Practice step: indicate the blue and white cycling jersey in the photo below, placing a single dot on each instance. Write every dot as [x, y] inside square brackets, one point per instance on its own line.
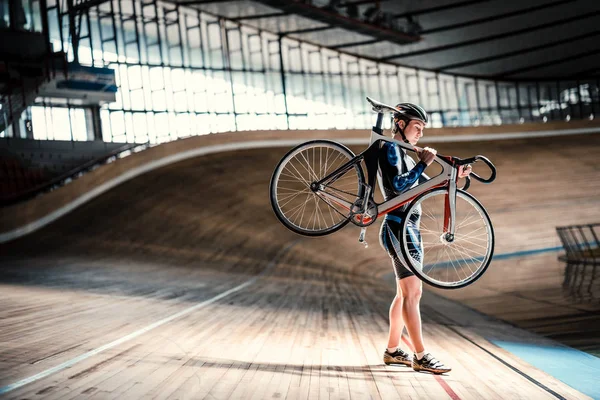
[399, 173]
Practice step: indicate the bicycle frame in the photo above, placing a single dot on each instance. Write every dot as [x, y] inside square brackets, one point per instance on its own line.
[447, 178]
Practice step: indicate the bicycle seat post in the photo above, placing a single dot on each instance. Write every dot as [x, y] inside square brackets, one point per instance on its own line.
[377, 128]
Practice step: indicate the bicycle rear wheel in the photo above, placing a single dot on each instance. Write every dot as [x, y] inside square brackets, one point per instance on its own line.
[443, 262]
[309, 212]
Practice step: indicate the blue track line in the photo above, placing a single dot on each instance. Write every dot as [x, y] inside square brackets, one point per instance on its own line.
[502, 256]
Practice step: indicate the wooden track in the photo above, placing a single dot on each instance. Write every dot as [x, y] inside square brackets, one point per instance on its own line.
[313, 325]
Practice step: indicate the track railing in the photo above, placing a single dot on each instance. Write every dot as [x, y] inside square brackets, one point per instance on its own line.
[580, 243]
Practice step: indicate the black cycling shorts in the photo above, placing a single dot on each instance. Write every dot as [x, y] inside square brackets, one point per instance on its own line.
[389, 239]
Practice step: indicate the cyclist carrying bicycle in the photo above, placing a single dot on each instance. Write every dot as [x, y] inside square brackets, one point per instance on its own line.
[399, 173]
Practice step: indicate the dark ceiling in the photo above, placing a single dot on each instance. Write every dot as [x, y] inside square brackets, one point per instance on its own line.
[502, 39]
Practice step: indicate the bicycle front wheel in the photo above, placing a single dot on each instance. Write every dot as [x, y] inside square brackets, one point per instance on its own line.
[320, 212]
[437, 259]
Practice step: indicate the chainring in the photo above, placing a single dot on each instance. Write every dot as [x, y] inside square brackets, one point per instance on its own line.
[357, 217]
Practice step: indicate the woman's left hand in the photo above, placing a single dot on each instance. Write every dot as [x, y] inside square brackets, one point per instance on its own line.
[464, 171]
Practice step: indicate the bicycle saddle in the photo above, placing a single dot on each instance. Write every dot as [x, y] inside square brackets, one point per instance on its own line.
[380, 107]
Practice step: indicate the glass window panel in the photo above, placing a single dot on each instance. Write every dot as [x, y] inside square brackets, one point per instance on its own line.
[117, 125]
[314, 58]
[471, 96]
[140, 127]
[161, 125]
[182, 125]
[129, 127]
[105, 123]
[78, 124]
[492, 97]
[38, 121]
[180, 103]
[482, 93]
[433, 95]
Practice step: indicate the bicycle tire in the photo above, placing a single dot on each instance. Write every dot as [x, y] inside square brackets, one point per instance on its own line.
[335, 152]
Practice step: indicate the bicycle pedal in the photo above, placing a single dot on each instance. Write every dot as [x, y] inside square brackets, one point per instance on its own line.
[361, 237]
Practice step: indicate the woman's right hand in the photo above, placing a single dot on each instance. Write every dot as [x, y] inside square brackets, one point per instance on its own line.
[427, 155]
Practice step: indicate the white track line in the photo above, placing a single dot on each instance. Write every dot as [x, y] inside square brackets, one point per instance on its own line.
[53, 216]
[148, 328]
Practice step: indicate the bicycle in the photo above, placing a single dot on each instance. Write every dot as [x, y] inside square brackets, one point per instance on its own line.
[319, 186]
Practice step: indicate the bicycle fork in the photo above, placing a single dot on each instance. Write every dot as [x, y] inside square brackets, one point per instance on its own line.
[450, 211]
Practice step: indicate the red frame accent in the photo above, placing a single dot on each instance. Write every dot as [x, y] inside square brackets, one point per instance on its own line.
[447, 213]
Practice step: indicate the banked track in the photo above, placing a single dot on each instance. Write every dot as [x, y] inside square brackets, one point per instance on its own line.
[312, 325]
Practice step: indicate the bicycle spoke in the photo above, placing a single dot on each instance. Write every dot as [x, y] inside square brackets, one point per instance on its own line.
[341, 191]
[289, 200]
[451, 262]
[429, 231]
[465, 251]
[430, 214]
[293, 212]
[313, 215]
[297, 179]
[300, 207]
[331, 206]
[304, 209]
[301, 169]
[473, 231]
[326, 161]
[286, 191]
[460, 253]
[463, 224]
[300, 177]
[331, 214]
[434, 264]
[468, 216]
[472, 243]
[311, 172]
[322, 214]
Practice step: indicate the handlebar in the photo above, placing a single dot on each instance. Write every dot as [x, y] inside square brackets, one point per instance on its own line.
[459, 161]
[467, 184]
[464, 161]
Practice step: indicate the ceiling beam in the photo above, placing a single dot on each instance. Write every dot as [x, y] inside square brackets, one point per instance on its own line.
[548, 63]
[518, 52]
[196, 2]
[360, 2]
[86, 5]
[495, 17]
[259, 16]
[341, 21]
[491, 37]
[438, 8]
[361, 43]
[307, 30]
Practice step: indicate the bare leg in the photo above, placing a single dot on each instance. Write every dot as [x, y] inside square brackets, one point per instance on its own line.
[396, 322]
[411, 292]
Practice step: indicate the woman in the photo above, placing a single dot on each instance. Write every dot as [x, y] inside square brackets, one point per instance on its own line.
[398, 174]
